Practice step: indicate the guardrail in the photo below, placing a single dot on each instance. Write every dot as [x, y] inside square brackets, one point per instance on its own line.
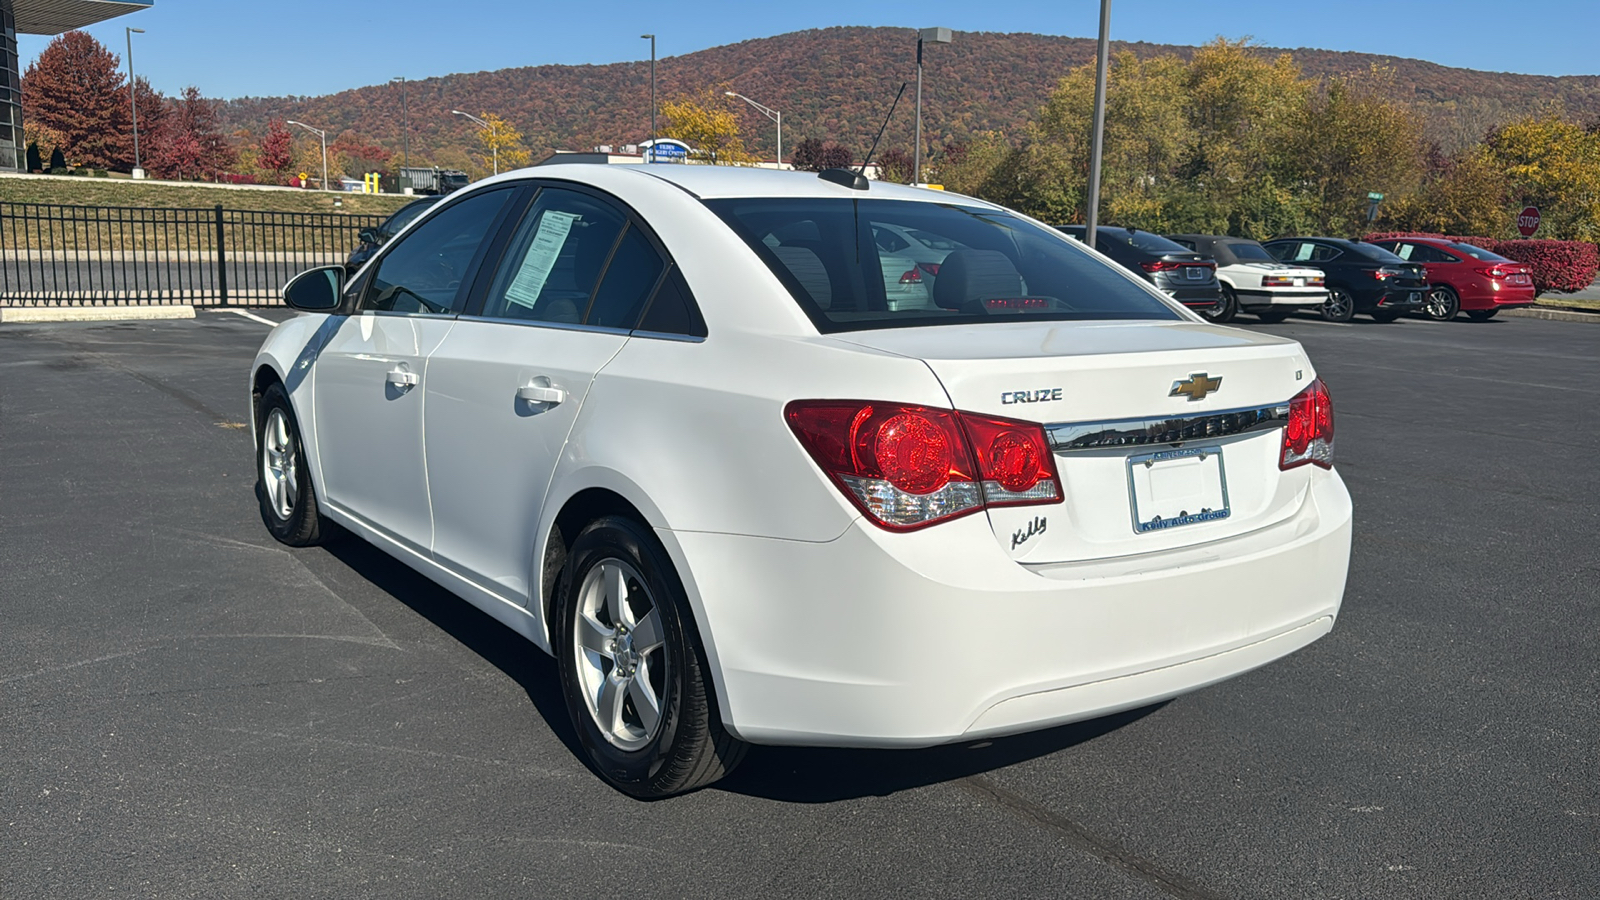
[92, 256]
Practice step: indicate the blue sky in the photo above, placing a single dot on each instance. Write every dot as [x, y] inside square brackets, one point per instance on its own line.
[231, 49]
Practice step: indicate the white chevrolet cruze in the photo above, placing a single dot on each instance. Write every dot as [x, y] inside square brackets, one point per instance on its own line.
[663, 421]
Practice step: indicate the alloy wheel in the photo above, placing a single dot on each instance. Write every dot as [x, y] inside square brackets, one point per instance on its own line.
[1339, 307]
[1441, 304]
[280, 472]
[621, 659]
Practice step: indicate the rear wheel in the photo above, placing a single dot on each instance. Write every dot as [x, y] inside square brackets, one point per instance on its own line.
[1384, 315]
[1227, 307]
[1442, 303]
[1272, 315]
[283, 480]
[632, 669]
[1481, 315]
[1339, 307]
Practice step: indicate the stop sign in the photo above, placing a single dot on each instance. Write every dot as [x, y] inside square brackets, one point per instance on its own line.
[1528, 221]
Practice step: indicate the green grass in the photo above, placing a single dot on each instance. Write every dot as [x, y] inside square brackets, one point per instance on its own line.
[1557, 301]
[118, 192]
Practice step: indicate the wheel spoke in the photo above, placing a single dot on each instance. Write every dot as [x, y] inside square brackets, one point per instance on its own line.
[645, 702]
[616, 595]
[609, 704]
[647, 633]
[291, 481]
[594, 637]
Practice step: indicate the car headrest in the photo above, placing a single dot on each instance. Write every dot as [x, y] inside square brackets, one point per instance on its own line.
[807, 268]
[971, 276]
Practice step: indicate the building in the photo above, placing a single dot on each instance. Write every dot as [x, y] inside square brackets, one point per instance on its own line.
[39, 17]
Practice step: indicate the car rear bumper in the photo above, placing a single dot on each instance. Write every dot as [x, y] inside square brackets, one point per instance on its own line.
[1508, 297]
[905, 640]
[1402, 298]
[1287, 297]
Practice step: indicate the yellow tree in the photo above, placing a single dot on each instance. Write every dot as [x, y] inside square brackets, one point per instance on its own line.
[707, 123]
[1553, 162]
[500, 145]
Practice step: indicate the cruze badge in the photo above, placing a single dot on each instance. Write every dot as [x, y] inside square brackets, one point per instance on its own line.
[1196, 386]
[1039, 396]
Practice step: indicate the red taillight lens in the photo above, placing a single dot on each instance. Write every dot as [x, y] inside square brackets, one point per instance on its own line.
[911, 276]
[1308, 435]
[1494, 272]
[930, 268]
[908, 467]
[1160, 265]
[1277, 281]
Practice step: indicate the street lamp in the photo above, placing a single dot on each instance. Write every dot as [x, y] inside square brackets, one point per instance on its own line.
[931, 36]
[1091, 220]
[324, 135]
[770, 113]
[133, 94]
[494, 143]
[405, 119]
[652, 39]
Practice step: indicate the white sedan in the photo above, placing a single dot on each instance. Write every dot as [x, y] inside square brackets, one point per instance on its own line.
[1253, 281]
[662, 421]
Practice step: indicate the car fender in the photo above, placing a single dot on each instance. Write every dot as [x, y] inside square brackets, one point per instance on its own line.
[290, 350]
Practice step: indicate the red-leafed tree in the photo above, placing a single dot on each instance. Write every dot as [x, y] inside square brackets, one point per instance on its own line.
[361, 157]
[152, 121]
[76, 89]
[277, 151]
[813, 155]
[895, 164]
[192, 144]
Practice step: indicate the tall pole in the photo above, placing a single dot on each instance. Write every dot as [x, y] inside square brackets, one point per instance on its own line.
[405, 120]
[916, 154]
[770, 113]
[652, 39]
[1091, 220]
[133, 94]
[494, 135]
[324, 135]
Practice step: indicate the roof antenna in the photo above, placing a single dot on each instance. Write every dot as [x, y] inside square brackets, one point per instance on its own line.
[858, 179]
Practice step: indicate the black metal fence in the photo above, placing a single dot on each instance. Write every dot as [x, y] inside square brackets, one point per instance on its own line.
[93, 256]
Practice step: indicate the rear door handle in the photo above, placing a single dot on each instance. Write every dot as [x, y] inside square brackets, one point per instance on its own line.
[401, 378]
[538, 393]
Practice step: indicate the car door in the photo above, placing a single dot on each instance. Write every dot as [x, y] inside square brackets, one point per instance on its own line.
[367, 395]
[506, 385]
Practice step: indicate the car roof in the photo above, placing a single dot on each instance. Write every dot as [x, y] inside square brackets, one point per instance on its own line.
[717, 182]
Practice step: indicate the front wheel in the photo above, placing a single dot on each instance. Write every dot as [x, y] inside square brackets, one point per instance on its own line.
[1339, 307]
[283, 480]
[632, 669]
[1481, 315]
[1227, 307]
[1442, 303]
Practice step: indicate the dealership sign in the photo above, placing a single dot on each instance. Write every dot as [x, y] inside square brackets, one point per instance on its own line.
[1528, 221]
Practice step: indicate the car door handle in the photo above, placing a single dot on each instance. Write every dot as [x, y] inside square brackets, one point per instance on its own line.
[400, 378]
[538, 393]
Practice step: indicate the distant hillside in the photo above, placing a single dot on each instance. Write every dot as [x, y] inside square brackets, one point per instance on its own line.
[837, 83]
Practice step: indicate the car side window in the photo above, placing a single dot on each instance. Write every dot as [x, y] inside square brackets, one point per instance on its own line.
[555, 259]
[888, 241]
[425, 272]
[1320, 252]
[672, 310]
[628, 281]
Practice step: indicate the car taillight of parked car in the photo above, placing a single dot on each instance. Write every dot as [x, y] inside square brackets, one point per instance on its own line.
[1308, 435]
[1384, 273]
[914, 274]
[908, 467]
[1494, 272]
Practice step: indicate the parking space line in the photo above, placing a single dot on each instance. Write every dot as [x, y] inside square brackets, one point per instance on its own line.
[252, 316]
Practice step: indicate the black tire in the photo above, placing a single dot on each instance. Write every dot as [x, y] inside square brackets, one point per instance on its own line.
[1272, 315]
[687, 747]
[282, 475]
[1442, 304]
[1227, 307]
[1481, 315]
[1384, 316]
[1339, 307]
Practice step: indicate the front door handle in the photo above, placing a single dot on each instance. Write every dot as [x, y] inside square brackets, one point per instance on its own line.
[539, 393]
[403, 379]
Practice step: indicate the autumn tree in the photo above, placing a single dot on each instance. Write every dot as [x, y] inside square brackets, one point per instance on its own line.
[192, 144]
[963, 166]
[1551, 161]
[500, 142]
[709, 125]
[76, 90]
[275, 155]
[896, 165]
[361, 157]
[814, 155]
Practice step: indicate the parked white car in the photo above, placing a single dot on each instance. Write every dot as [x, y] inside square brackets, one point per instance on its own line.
[1254, 282]
[661, 421]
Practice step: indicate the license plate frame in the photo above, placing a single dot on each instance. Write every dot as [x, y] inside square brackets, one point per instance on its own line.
[1174, 472]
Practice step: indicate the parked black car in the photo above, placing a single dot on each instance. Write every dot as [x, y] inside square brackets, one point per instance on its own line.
[1180, 273]
[1361, 277]
[372, 239]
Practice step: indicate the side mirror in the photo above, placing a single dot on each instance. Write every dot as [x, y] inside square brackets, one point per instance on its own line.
[368, 236]
[315, 290]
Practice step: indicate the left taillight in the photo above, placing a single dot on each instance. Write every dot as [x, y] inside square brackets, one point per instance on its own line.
[1308, 435]
[908, 467]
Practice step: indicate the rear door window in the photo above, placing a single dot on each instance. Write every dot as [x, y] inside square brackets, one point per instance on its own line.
[553, 263]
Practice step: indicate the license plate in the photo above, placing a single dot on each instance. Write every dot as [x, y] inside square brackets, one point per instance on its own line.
[1195, 273]
[1519, 279]
[1172, 488]
[1414, 297]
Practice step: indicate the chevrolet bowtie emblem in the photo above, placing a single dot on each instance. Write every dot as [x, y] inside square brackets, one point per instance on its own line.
[1196, 387]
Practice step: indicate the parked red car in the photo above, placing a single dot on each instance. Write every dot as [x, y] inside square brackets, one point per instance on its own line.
[1464, 277]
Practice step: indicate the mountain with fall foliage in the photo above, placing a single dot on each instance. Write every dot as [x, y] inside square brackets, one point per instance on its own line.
[837, 83]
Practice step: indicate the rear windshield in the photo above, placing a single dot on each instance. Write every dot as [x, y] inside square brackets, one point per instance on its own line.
[1249, 250]
[1477, 252]
[1377, 254]
[967, 265]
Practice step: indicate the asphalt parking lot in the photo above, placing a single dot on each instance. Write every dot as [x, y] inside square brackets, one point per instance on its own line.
[188, 709]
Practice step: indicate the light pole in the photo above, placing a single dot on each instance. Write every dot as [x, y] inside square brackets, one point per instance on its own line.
[405, 119]
[494, 142]
[652, 39]
[932, 36]
[133, 94]
[324, 135]
[770, 113]
[1091, 220]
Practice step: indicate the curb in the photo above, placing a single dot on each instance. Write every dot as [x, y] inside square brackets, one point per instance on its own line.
[1552, 315]
[93, 313]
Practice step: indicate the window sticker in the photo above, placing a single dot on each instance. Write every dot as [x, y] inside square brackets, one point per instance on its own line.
[554, 226]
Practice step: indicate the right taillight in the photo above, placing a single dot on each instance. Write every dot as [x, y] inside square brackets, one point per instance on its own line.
[909, 467]
[1308, 435]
